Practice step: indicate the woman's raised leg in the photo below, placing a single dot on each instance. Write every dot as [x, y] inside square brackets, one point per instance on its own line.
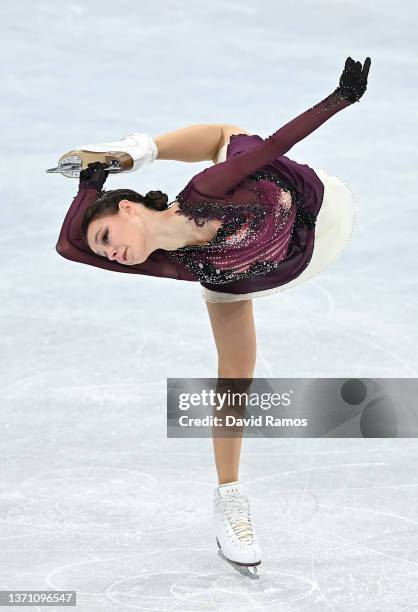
[196, 143]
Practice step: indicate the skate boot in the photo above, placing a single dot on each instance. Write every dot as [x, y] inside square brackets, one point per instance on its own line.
[235, 533]
[126, 155]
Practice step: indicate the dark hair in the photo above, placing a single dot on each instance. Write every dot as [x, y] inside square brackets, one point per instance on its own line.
[107, 203]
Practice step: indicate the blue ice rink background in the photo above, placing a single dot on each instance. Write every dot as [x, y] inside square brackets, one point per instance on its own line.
[93, 497]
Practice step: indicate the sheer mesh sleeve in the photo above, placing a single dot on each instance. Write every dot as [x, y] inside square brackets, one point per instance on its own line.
[222, 178]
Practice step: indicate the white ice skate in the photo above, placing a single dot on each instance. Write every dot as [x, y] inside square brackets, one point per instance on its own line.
[235, 533]
[126, 155]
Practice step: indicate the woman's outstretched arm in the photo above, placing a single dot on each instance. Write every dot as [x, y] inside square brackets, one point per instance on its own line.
[219, 180]
[195, 143]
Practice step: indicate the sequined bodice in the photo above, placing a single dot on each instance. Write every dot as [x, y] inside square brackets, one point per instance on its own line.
[254, 236]
[207, 230]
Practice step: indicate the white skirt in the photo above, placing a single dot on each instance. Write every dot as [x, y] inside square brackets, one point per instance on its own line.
[333, 230]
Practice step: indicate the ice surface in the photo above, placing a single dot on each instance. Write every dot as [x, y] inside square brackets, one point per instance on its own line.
[93, 497]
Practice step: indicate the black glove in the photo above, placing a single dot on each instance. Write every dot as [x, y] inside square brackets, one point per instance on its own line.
[94, 175]
[353, 81]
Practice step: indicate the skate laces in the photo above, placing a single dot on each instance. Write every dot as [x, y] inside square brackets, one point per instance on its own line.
[236, 509]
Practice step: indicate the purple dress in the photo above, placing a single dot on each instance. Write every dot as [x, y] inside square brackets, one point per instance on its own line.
[267, 203]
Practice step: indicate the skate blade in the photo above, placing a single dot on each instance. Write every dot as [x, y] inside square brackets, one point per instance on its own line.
[72, 163]
[250, 571]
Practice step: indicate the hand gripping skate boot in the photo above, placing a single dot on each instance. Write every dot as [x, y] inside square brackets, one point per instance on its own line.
[235, 533]
[126, 155]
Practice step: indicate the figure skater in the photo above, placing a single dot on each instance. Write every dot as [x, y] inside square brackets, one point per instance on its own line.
[253, 224]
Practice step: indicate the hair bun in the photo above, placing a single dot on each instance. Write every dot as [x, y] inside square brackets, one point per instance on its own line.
[157, 199]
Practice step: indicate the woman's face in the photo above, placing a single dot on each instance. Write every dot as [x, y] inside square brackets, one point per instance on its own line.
[119, 237]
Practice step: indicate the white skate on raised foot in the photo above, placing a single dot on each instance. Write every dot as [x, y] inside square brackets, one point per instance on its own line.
[126, 155]
[235, 533]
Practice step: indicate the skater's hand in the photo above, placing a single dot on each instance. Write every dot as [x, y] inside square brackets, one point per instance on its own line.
[94, 175]
[353, 81]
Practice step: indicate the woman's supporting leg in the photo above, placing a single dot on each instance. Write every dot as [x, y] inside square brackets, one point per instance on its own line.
[235, 338]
